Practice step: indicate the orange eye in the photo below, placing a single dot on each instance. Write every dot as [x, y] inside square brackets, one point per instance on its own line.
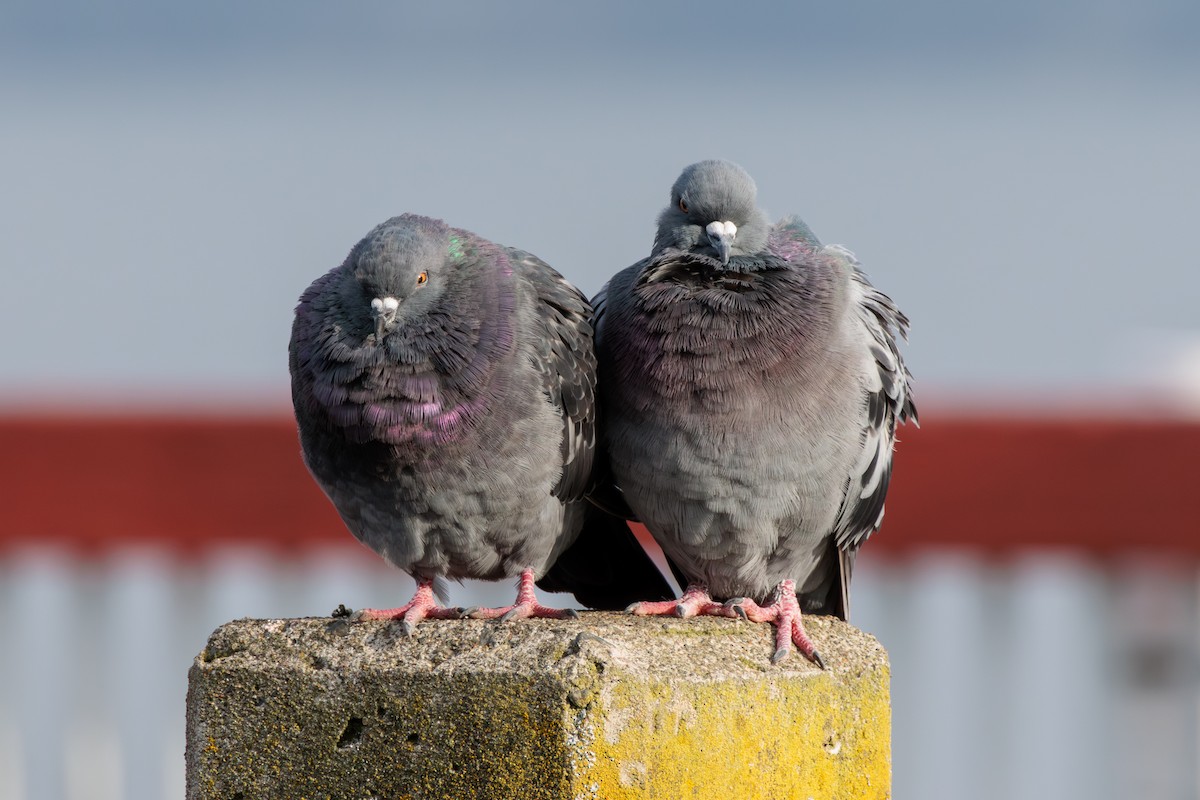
[424, 276]
[682, 205]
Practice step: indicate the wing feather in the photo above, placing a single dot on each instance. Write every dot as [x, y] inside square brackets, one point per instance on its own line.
[565, 357]
[889, 400]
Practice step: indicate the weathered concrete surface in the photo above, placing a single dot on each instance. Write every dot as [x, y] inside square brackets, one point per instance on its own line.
[606, 707]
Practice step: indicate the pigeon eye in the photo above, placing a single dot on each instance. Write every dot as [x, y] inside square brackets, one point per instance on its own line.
[422, 278]
[682, 205]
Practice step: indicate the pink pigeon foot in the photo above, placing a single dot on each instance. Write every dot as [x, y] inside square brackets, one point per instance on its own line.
[784, 614]
[694, 603]
[526, 606]
[422, 606]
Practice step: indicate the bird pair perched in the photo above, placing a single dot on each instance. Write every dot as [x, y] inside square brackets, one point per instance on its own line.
[471, 415]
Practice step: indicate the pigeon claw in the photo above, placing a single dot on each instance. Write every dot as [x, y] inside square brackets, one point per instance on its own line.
[653, 608]
[734, 608]
[785, 615]
[533, 610]
[422, 606]
[526, 606]
[695, 602]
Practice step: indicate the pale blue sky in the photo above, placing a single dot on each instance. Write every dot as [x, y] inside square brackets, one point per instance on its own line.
[1023, 178]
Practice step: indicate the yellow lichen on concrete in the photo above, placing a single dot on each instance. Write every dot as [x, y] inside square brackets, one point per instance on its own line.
[822, 737]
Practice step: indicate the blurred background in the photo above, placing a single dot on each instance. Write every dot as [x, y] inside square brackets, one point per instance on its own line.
[1022, 178]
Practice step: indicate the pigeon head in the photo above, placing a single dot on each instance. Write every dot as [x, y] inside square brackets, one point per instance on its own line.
[398, 271]
[713, 211]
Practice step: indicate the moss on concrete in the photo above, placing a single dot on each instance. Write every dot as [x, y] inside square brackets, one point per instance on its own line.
[607, 707]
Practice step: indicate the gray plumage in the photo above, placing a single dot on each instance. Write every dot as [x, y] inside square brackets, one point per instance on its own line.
[444, 390]
[751, 385]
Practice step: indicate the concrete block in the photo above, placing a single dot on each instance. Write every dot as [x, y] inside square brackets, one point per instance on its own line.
[603, 708]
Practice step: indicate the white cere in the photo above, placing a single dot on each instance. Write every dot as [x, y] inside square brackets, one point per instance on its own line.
[719, 229]
[382, 304]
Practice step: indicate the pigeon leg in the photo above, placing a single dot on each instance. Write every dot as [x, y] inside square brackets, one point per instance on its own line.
[422, 606]
[695, 602]
[784, 614]
[526, 606]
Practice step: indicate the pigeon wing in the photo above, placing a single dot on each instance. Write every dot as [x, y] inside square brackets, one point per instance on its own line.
[566, 360]
[888, 400]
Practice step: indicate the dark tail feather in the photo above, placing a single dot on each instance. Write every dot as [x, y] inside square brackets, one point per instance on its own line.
[845, 568]
[606, 568]
[832, 595]
[605, 493]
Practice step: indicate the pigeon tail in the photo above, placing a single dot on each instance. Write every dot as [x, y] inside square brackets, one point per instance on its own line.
[605, 568]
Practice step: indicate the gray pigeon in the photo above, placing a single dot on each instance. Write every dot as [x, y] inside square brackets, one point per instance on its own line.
[444, 390]
[750, 384]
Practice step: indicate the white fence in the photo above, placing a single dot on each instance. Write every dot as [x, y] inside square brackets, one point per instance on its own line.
[1042, 677]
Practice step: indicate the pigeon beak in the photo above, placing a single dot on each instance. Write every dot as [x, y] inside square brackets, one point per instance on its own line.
[383, 309]
[721, 236]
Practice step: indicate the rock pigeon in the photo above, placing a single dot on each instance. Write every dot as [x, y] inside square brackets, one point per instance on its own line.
[444, 391]
[750, 385]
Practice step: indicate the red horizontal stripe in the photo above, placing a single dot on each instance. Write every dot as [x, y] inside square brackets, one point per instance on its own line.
[994, 485]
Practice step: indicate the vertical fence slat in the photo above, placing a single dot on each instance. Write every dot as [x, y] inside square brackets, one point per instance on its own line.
[1057, 681]
[1157, 675]
[41, 658]
[940, 659]
[143, 696]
